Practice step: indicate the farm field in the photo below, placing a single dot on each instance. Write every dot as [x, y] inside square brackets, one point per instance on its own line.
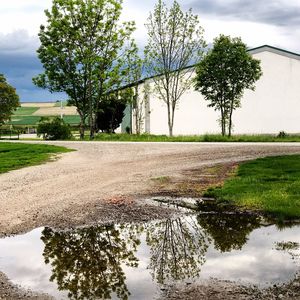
[31, 113]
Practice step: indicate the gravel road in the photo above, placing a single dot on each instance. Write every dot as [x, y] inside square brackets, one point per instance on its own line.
[106, 182]
[80, 186]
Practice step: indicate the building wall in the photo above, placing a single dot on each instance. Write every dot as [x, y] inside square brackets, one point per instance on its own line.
[274, 105]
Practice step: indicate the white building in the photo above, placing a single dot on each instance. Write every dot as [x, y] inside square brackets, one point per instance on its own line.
[273, 107]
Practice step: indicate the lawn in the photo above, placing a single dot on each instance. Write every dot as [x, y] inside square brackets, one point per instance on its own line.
[270, 184]
[25, 111]
[15, 156]
[195, 138]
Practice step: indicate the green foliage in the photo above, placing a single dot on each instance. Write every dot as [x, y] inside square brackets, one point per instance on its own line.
[54, 129]
[15, 156]
[269, 184]
[111, 111]
[9, 100]
[175, 41]
[83, 52]
[223, 75]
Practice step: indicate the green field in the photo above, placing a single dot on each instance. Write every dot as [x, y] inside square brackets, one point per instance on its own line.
[16, 155]
[29, 116]
[25, 111]
[270, 184]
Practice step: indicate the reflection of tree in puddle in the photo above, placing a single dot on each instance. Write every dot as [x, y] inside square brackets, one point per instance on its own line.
[88, 262]
[178, 249]
[229, 231]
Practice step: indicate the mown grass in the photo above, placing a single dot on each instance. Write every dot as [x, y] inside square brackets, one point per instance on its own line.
[195, 138]
[270, 184]
[33, 120]
[25, 111]
[15, 156]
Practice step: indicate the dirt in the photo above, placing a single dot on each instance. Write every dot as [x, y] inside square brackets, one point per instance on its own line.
[107, 182]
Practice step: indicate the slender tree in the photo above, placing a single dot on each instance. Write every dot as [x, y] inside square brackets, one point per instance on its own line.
[9, 100]
[82, 51]
[175, 41]
[224, 74]
[136, 65]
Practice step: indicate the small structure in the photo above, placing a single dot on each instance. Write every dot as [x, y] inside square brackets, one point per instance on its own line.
[273, 107]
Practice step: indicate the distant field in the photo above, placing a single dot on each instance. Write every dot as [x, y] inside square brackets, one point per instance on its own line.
[31, 113]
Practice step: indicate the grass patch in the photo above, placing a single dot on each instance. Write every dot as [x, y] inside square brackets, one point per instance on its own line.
[195, 138]
[270, 184]
[33, 120]
[15, 156]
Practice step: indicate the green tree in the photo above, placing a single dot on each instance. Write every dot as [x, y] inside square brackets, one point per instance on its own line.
[224, 74]
[54, 129]
[111, 111]
[175, 41]
[83, 49]
[136, 66]
[9, 100]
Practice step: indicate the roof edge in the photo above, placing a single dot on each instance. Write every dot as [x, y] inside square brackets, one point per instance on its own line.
[275, 50]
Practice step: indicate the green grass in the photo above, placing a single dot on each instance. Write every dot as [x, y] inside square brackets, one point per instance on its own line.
[16, 155]
[33, 120]
[199, 138]
[25, 111]
[270, 184]
[24, 120]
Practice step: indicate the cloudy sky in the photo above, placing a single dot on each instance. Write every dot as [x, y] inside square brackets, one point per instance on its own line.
[273, 22]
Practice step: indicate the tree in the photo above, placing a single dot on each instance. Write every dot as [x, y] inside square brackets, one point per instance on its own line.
[54, 129]
[82, 51]
[175, 41]
[223, 75]
[9, 100]
[111, 111]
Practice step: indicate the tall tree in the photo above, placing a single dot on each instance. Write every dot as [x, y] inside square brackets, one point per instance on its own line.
[175, 41]
[224, 74]
[136, 65]
[9, 100]
[82, 51]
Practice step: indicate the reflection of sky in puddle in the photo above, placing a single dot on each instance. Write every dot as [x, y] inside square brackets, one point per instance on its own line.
[194, 248]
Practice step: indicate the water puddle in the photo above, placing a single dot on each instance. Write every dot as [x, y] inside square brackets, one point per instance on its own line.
[137, 261]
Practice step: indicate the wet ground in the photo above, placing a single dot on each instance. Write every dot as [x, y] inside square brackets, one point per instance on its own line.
[145, 261]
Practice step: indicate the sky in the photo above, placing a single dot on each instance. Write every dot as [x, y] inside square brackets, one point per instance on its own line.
[272, 22]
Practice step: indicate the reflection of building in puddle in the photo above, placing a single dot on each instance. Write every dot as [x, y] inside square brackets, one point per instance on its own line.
[135, 260]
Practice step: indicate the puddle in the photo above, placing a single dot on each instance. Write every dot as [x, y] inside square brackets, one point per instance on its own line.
[136, 261]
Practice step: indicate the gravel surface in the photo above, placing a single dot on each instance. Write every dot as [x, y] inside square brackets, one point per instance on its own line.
[106, 182]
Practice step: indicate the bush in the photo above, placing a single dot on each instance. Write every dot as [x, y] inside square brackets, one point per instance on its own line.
[54, 129]
[282, 135]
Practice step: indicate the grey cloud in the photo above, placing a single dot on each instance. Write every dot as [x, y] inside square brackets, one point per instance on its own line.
[275, 12]
[18, 41]
[19, 70]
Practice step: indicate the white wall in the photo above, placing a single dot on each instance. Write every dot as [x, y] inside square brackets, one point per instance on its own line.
[273, 107]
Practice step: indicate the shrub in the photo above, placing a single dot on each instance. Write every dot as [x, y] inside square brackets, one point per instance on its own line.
[282, 134]
[54, 129]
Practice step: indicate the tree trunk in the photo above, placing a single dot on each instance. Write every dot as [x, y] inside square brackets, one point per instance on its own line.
[82, 127]
[170, 124]
[91, 119]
